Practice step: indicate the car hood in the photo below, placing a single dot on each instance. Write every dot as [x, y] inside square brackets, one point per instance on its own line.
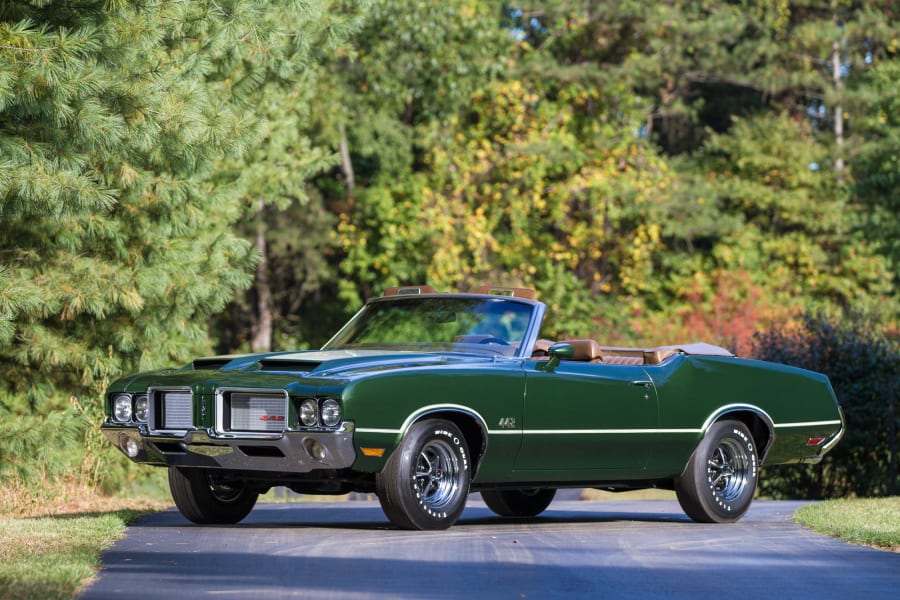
[314, 368]
[331, 363]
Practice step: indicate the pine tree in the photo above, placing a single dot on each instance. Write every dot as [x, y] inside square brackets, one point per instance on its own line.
[116, 118]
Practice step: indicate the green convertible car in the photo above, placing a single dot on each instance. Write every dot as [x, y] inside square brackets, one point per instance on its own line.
[424, 396]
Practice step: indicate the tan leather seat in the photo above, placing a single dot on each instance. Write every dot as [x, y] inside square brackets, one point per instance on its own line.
[655, 356]
[585, 350]
[623, 360]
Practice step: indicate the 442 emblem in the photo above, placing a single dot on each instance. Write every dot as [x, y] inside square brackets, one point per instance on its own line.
[507, 423]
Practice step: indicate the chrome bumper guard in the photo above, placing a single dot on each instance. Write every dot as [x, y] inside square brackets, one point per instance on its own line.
[288, 452]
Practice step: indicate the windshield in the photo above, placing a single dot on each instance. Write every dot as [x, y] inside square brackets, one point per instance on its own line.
[494, 325]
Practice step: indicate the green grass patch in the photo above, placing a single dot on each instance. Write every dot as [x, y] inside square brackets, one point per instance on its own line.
[55, 556]
[867, 521]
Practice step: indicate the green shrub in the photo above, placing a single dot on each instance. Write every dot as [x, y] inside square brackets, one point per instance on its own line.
[864, 368]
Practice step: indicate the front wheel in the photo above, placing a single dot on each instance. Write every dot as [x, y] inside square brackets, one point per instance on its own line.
[208, 500]
[425, 482]
[518, 503]
[720, 479]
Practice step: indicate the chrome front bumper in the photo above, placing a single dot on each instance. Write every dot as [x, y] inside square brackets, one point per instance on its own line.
[288, 452]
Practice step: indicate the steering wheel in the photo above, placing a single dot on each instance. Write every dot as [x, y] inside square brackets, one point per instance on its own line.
[494, 340]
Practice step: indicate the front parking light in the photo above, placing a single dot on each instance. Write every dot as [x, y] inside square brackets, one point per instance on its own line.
[129, 446]
[315, 450]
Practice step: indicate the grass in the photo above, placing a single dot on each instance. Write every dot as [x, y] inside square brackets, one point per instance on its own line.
[868, 521]
[50, 545]
[55, 556]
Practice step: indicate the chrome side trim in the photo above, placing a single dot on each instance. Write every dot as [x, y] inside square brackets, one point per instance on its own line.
[379, 430]
[827, 446]
[428, 410]
[553, 431]
[433, 408]
[730, 408]
[597, 431]
[812, 423]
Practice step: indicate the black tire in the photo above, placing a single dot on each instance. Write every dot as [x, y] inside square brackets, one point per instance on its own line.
[720, 479]
[425, 482]
[518, 503]
[206, 501]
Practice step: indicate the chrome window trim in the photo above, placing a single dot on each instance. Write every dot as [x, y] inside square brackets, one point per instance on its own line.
[528, 339]
[531, 334]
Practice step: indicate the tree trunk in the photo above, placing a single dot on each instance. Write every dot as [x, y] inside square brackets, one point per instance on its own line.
[838, 110]
[892, 437]
[346, 164]
[264, 314]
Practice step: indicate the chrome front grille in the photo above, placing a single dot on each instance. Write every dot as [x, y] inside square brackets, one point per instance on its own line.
[256, 412]
[177, 410]
[171, 410]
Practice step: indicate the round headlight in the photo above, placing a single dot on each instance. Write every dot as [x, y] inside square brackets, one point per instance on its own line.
[122, 408]
[309, 412]
[331, 412]
[141, 408]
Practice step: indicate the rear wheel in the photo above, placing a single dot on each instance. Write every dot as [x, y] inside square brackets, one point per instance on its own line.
[719, 482]
[518, 503]
[425, 482]
[208, 500]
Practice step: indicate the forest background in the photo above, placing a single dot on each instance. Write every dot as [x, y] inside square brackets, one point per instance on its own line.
[187, 178]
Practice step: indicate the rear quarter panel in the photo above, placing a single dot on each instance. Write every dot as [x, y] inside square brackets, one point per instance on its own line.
[694, 391]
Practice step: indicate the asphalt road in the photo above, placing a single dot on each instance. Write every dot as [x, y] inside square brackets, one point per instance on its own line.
[644, 549]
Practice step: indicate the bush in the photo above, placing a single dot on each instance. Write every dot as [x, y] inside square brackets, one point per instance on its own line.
[62, 453]
[864, 368]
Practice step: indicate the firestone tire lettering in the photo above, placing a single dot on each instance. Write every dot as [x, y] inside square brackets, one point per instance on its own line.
[425, 482]
[719, 482]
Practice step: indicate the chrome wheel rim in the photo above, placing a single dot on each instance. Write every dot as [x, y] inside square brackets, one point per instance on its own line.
[728, 470]
[437, 474]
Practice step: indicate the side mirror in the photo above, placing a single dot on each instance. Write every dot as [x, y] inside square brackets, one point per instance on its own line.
[557, 353]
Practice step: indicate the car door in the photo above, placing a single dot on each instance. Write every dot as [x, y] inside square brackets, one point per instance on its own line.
[586, 417]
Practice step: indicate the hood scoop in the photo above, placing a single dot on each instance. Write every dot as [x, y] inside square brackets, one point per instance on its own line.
[292, 366]
[212, 364]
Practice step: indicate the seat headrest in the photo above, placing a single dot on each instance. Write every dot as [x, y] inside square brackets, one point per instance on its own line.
[584, 349]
